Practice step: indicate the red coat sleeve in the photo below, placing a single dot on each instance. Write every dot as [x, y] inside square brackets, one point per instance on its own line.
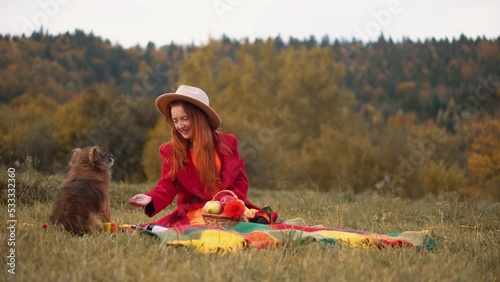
[165, 191]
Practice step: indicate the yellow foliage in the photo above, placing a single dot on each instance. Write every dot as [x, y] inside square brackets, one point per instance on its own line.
[484, 154]
[480, 165]
[26, 128]
[401, 120]
[438, 177]
[406, 86]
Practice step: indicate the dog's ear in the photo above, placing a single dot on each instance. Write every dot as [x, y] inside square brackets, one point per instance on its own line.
[93, 156]
[75, 157]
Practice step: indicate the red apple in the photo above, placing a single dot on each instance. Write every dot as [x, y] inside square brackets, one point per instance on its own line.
[225, 199]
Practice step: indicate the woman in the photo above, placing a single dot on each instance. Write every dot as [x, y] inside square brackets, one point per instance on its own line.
[197, 163]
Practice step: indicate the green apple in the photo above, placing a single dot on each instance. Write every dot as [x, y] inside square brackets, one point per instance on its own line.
[212, 207]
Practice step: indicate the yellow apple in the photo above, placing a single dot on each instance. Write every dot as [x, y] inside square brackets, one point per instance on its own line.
[212, 207]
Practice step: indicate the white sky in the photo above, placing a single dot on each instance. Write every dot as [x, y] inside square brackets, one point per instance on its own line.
[130, 22]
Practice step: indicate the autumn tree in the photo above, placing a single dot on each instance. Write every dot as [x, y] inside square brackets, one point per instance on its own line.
[26, 128]
[99, 116]
[484, 155]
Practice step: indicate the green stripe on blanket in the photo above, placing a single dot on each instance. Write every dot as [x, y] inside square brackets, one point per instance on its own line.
[247, 234]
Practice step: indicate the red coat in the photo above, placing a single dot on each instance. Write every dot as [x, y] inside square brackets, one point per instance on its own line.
[188, 187]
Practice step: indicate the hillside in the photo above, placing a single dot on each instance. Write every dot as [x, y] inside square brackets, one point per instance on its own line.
[399, 117]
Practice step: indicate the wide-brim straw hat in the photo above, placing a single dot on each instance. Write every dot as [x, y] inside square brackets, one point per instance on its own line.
[193, 95]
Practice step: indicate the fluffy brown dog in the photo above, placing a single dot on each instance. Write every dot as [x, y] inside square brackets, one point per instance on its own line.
[83, 203]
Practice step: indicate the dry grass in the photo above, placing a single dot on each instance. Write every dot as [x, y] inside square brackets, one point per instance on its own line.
[468, 234]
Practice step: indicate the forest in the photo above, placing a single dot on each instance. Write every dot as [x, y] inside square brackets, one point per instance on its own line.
[409, 118]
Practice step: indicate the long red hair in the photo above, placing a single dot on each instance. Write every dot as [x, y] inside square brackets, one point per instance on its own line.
[204, 145]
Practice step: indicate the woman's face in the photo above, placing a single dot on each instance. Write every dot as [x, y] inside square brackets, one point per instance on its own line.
[181, 121]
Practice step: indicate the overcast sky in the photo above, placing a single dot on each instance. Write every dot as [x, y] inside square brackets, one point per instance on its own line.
[131, 22]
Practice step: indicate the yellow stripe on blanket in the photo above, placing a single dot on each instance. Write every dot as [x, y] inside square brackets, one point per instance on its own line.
[350, 240]
[213, 241]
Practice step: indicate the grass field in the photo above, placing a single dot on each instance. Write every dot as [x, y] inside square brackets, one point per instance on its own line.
[468, 232]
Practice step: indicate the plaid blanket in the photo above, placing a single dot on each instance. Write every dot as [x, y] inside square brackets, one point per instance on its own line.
[247, 234]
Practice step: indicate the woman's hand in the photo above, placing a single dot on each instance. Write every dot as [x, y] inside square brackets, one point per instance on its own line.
[140, 200]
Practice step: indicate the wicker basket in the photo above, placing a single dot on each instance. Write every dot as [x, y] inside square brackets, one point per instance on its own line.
[217, 220]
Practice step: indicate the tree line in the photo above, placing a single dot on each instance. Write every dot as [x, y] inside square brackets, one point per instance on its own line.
[406, 117]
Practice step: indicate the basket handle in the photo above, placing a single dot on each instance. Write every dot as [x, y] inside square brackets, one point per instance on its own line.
[225, 191]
